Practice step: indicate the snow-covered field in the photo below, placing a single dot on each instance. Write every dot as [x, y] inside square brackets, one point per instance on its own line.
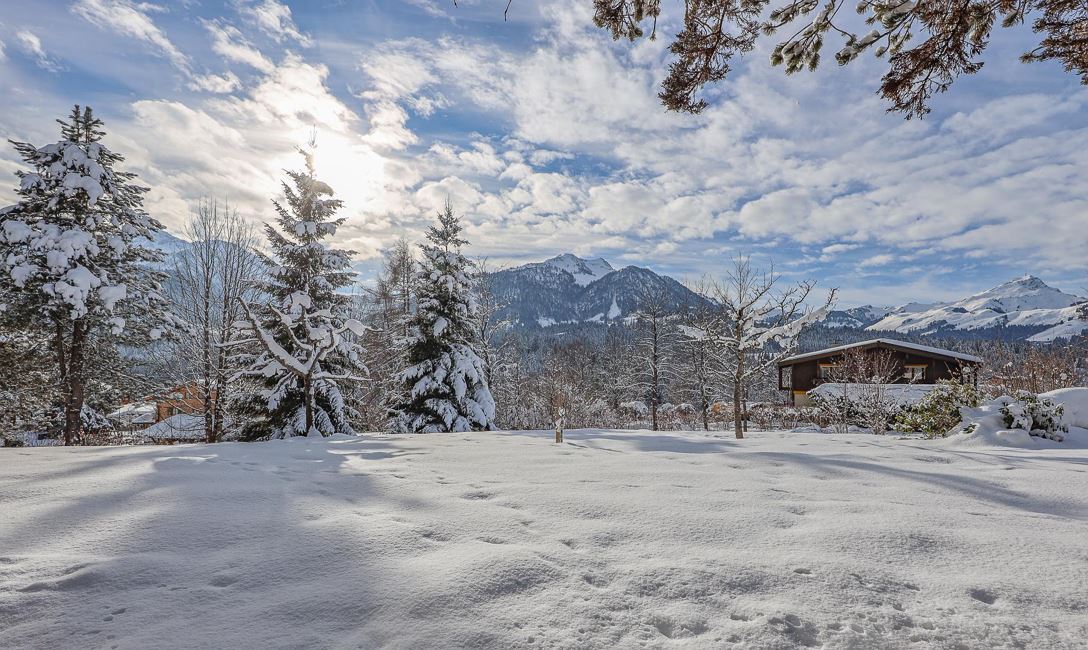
[504, 540]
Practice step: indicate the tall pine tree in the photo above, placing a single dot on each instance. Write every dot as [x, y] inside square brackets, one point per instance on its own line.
[299, 343]
[73, 256]
[445, 382]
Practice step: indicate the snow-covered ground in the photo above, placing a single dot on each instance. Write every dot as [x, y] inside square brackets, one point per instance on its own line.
[507, 540]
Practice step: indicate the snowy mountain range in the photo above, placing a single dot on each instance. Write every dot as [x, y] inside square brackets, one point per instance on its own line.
[567, 289]
[570, 290]
[1026, 307]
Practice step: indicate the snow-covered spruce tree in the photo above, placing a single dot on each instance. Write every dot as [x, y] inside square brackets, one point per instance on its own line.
[298, 343]
[446, 380]
[72, 267]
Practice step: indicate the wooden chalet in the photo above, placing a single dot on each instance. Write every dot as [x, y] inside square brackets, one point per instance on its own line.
[916, 364]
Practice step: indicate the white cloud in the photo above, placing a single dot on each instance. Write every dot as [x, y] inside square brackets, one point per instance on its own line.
[229, 43]
[237, 147]
[883, 259]
[274, 18]
[32, 45]
[576, 147]
[430, 7]
[213, 83]
[774, 159]
[133, 20]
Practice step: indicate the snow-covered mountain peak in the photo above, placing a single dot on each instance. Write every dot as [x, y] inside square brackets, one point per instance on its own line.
[584, 271]
[569, 290]
[1027, 292]
[1025, 302]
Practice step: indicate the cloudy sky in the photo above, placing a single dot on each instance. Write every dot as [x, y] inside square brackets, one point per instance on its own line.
[549, 138]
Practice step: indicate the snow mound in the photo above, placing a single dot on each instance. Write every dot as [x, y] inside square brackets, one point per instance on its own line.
[985, 426]
[182, 426]
[1075, 401]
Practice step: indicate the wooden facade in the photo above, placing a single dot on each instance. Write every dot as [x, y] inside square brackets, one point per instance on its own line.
[917, 364]
[187, 399]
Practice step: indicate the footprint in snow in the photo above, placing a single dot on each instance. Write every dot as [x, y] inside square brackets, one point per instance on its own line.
[983, 596]
[223, 581]
[803, 571]
[435, 535]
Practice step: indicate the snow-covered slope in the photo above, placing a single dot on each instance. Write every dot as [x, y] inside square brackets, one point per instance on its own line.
[854, 317]
[617, 539]
[583, 271]
[1044, 312]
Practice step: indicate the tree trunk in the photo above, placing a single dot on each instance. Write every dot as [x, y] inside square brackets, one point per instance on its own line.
[206, 298]
[308, 392]
[655, 396]
[75, 386]
[738, 414]
[219, 389]
[208, 402]
[58, 348]
[744, 408]
[705, 408]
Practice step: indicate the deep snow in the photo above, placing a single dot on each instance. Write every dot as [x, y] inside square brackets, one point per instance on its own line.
[614, 539]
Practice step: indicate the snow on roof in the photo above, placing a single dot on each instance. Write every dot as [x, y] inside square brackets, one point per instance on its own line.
[901, 394]
[135, 412]
[181, 426]
[889, 342]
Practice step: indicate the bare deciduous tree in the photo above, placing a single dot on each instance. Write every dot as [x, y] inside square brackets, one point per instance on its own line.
[757, 324]
[653, 345]
[210, 277]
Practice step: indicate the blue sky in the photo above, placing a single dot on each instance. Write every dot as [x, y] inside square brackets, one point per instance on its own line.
[549, 137]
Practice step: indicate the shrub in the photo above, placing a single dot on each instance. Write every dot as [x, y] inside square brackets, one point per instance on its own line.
[837, 411]
[1039, 416]
[939, 411]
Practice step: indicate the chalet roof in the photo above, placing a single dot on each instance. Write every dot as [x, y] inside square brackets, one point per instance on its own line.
[134, 413]
[893, 344]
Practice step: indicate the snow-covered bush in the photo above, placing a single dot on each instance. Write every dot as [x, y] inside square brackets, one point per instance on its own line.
[769, 417]
[634, 410]
[939, 410]
[1039, 416]
[837, 411]
[1074, 403]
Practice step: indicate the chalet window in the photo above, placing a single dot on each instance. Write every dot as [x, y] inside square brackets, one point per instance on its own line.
[826, 371]
[914, 372]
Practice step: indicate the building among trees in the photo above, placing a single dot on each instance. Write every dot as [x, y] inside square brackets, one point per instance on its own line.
[901, 363]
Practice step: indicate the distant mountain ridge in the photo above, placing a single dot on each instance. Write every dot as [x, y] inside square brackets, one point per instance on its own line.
[1028, 305]
[568, 289]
